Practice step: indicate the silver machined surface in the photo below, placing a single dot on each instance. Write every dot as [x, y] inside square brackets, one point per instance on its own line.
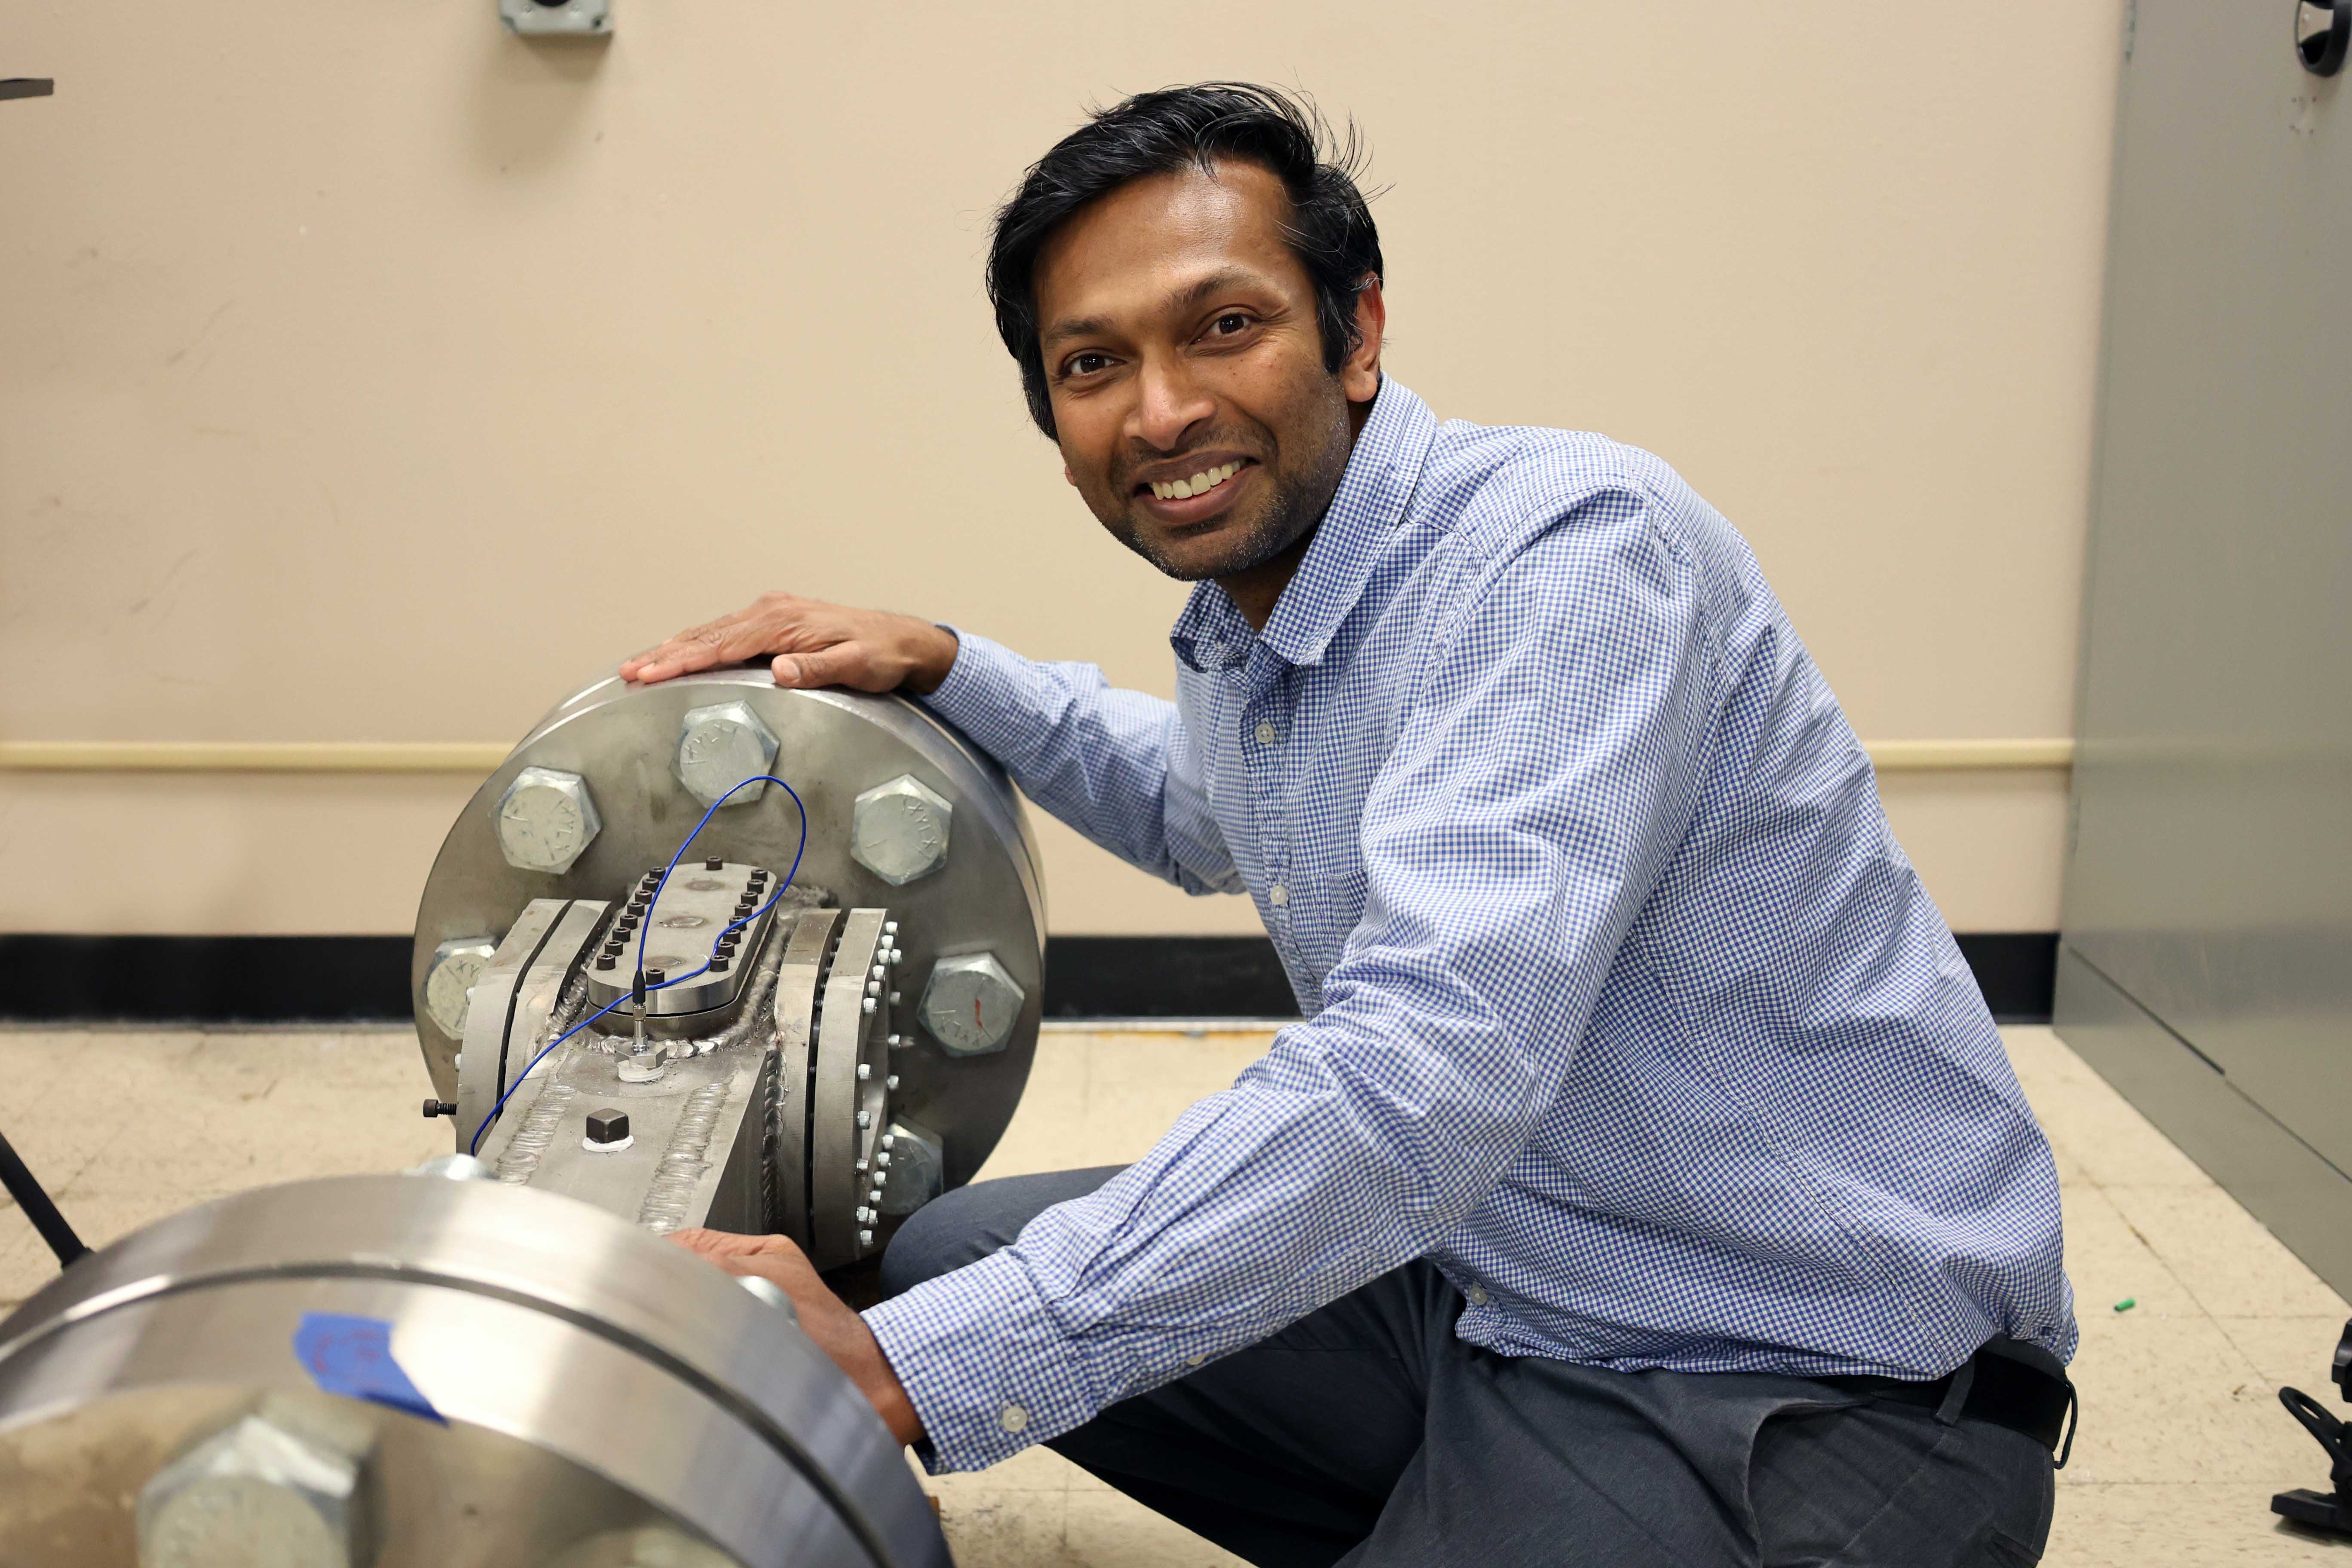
[675, 936]
[913, 1168]
[833, 745]
[849, 1107]
[546, 820]
[262, 1490]
[593, 1385]
[900, 830]
[719, 747]
[457, 966]
[971, 1005]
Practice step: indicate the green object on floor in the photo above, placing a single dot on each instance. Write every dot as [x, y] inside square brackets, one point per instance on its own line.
[2127, 1304]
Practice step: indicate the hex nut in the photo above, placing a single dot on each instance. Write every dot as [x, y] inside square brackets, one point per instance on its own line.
[546, 820]
[449, 983]
[898, 830]
[917, 1168]
[720, 746]
[255, 1493]
[969, 1004]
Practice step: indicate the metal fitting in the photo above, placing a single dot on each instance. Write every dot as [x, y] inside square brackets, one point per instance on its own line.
[546, 820]
[256, 1492]
[449, 983]
[918, 1164]
[898, 830]
[970, 1005]
[720, 746]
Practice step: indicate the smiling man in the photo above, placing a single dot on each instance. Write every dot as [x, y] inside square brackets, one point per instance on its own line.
[1645, 1181]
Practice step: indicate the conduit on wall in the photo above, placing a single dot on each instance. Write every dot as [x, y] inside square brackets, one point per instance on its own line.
[482, 757]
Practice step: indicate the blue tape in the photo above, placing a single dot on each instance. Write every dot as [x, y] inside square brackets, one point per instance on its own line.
[352, 1356]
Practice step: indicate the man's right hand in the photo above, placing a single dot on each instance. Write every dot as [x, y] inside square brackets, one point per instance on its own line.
[813, 644]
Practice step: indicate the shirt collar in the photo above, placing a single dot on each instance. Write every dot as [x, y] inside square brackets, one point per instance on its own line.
[1369, 503]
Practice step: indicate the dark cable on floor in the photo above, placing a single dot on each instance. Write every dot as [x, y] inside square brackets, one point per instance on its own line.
[34, 1202]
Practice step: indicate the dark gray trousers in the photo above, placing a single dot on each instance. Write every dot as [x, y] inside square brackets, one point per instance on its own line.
[1368, 1434]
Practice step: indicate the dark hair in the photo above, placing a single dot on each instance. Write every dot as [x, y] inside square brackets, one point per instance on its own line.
[1329, 226]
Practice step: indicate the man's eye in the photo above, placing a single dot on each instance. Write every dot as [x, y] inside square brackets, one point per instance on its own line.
[1228, 323]
[1084, 364]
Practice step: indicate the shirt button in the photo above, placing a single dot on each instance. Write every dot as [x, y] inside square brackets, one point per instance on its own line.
[1277, 895]
[1265, 734]
[1196, 1361]
[1013, 1419]
[1477, 1298]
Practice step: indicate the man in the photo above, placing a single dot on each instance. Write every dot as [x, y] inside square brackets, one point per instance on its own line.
[1646, 1183]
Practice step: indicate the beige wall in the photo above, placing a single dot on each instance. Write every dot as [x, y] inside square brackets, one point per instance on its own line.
[367, 374]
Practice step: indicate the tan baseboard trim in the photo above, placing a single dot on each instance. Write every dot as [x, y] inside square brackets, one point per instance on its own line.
[482, 757]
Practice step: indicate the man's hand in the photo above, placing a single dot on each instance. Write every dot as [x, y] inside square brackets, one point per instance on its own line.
[838, 1332]
[814, 644]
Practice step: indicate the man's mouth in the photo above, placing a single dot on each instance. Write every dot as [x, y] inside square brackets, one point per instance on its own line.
[1199, 484]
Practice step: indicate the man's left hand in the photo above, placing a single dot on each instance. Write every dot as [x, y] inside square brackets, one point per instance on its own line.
[838, 1332]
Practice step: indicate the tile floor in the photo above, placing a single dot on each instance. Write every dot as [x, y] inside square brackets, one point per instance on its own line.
[2181, 1445]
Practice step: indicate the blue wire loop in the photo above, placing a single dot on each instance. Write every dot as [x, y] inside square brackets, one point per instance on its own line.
[645, 930]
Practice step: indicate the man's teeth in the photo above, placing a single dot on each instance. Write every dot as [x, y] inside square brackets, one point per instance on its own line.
[1199, 484]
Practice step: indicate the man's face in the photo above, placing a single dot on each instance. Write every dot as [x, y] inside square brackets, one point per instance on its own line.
[1186, 371]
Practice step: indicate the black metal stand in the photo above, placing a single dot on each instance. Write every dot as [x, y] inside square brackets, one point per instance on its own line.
[2328, 1510]
[34, 1202]
[27, 86]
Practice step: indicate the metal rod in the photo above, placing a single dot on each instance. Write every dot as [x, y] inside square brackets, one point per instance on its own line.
[27, 86]
[34, 1202]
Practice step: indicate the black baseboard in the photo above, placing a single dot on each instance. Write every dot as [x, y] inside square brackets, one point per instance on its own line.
[151, 980]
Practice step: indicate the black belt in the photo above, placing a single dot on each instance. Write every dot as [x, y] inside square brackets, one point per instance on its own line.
[2023, 1388]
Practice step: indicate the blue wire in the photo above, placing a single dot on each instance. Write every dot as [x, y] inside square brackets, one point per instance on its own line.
[645, 930]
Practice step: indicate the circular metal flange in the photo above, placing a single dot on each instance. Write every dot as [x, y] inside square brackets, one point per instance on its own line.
[549, 1384]
[833, 746]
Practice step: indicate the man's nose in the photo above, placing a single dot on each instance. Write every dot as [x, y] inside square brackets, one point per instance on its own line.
[1173, 402]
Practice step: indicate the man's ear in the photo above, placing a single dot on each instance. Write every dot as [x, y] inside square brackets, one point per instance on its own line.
[1071, 477]
[1359, 374]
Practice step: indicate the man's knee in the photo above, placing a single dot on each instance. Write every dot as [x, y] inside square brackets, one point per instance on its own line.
[967, 1225]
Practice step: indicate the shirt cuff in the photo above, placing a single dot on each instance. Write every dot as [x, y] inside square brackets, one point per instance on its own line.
[986, 694]
[984, 1362]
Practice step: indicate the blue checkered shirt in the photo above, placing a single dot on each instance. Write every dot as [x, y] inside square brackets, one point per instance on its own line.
[1621, 1004]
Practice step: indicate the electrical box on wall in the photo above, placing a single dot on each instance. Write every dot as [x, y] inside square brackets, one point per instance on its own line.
[558, 18]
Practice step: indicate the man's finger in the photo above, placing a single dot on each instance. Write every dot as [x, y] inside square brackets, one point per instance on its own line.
[720, 642]
[844, 664]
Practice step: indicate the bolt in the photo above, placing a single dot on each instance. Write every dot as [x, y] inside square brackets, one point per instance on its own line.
[880, 973]
[433, 1108]
[863, 1216]
[920, 1164]
[971, 1004]
[889, 928]
[864, 1120]
[719, 747]
[897, 1041]
[869, 1004]
[546, 820]
[607, 1126]
[891, 1082]
[865, 1071]
[256, 1492]
[883, 1158]
[449, 983]
[865, 1238]
[899, 831]
[874, 1196]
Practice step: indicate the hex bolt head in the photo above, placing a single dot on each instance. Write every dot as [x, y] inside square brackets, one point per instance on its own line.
[898, 830]
[720, 746]
[969, 1004]
[607, 1126]
[915, 1170]
[256, 1493]
[457, 966]
[546, 820]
